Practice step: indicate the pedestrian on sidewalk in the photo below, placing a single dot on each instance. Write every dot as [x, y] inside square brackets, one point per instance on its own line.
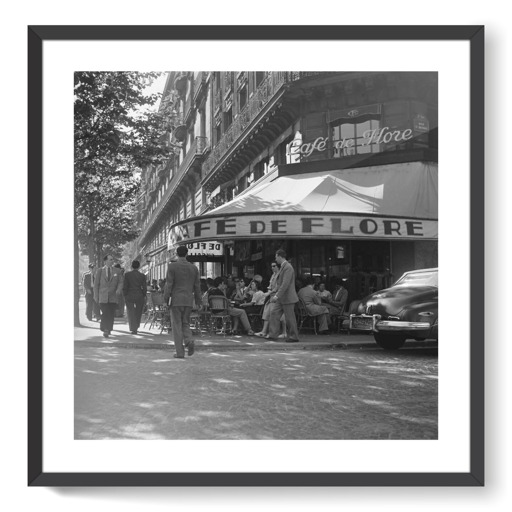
[108, 286]
[120, 302]
[284, 300]
[182, 288]
[88, 291]
[134, 291]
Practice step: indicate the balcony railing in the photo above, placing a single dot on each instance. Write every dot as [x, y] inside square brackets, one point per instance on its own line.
[198, 148]
[256, 104]
[265, 92]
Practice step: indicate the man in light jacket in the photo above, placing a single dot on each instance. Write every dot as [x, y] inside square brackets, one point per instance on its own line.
[108, 286]
[284, 300]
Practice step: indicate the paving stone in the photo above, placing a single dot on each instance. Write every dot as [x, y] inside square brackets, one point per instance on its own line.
[234, 394]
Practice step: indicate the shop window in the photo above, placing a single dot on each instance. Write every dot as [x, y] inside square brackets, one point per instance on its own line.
[354, 138]
[318, 260]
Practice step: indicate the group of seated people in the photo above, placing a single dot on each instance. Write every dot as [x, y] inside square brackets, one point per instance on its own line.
[251, 297]
[323, 304]
[240, 300]
[156, 285]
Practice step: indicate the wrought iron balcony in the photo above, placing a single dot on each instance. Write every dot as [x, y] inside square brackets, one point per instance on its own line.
[197, 150]
[256, 104]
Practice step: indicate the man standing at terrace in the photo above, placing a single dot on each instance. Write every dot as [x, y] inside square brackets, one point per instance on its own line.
[284, 300]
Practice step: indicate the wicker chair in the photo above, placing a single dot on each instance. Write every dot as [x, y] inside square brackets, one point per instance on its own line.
[254, 314]
[305, 320]
[158, 312]
[195, 321]
[219, 309]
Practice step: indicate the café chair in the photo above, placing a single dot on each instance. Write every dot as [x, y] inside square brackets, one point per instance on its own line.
[305, 320]
[219, 313]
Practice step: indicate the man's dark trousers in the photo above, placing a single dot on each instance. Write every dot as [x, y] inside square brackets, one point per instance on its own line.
[134, 311]
[180, 324]
[89, 304]
[108, 312]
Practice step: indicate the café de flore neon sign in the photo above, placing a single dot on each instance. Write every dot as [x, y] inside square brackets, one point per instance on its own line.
[378, 136]
[303, 225]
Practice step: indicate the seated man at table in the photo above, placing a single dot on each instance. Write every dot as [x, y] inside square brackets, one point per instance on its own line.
[339, 298]
[238, 315]
[314, 305]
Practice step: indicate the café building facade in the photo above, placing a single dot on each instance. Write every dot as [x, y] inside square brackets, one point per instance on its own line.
[339, 169]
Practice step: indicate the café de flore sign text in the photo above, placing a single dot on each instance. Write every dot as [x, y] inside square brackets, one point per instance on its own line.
[378, 136]
[303, 225]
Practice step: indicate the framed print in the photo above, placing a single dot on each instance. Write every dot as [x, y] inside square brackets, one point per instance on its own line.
[321, 162]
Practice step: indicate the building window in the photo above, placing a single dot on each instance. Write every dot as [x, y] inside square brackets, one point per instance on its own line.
[355, 138]
[218, 132]
[228, 119]
[260, 75]
[242, 97]
[228, 81]
[293, 149]
[199, 201]
[242, 184]
[288, 152]
[188, 208]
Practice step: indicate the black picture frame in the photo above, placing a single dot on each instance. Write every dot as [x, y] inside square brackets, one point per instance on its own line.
[37, 35]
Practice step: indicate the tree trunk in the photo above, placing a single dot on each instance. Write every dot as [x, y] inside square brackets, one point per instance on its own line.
[77, 277]
[91, 253]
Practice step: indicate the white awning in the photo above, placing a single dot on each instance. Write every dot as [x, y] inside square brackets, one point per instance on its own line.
[398, 201]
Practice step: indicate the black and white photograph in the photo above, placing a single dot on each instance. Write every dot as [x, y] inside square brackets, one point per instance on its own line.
[256, 255]
[240, 271]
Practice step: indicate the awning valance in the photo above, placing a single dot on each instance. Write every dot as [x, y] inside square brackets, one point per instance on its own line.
[384, 202]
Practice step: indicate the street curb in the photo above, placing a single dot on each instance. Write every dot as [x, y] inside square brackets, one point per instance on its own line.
[236, 348]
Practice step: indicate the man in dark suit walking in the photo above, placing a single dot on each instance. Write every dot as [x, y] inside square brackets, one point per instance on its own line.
[108, 286]
[183, 287]
[134, 291]
[284, 300]
[88, 291]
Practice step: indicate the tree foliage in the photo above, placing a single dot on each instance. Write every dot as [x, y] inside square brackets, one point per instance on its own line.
[116, 134]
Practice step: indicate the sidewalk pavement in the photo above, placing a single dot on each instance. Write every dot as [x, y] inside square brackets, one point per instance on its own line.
[90, 335]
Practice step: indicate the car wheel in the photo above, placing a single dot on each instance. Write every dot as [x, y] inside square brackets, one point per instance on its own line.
[389, 341]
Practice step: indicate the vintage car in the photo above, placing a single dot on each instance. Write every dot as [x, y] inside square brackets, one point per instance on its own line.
[408, 309]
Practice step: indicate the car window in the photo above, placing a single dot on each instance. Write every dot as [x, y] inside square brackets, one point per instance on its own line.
[418, 278]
